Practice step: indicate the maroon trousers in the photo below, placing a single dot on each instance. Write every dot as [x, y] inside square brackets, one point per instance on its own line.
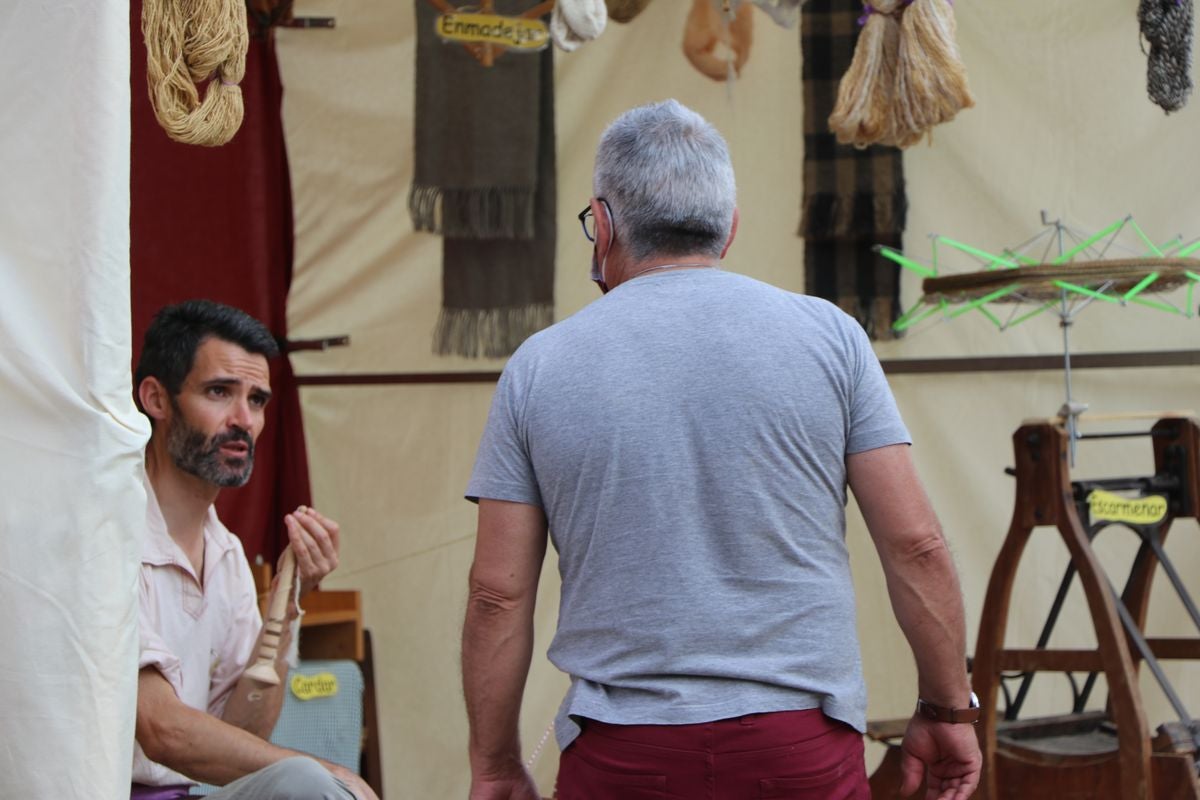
[786, 755]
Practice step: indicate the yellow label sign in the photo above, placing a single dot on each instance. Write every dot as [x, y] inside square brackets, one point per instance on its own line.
[513, 32]
[308, 687]
[1134, 510]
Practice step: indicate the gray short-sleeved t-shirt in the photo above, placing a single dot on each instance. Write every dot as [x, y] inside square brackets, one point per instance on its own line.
[686, 436]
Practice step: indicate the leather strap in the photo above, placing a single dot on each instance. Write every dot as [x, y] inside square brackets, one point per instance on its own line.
[969, 715]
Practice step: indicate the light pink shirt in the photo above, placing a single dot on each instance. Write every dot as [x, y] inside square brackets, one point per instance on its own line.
[200, 639]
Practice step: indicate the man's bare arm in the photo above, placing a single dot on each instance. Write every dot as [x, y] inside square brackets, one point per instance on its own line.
[498, 639]
[927, 600]
[921, 580]
[254, 706]
[205, 748]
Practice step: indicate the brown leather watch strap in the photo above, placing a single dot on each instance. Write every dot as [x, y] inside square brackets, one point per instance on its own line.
[969, 715]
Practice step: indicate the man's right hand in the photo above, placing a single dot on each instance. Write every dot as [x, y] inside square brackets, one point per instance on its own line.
[945, 754]
[513, 786]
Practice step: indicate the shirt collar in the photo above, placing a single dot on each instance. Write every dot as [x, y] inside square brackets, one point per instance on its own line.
[160, 549]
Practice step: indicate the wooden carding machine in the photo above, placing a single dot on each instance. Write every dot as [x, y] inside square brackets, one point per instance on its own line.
[1107, 753]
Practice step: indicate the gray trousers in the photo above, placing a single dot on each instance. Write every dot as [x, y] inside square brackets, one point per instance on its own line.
[296, 778]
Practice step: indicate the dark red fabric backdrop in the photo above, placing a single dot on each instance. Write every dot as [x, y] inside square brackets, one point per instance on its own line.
[217, 223]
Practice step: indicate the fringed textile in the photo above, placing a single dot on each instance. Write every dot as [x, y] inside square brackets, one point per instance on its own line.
[475, 138]
[485, 179]
[862, 284]
[853, 198]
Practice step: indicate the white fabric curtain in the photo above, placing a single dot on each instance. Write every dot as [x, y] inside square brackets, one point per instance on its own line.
[73, 505]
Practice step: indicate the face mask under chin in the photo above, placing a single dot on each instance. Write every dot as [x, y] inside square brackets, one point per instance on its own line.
[597, 274]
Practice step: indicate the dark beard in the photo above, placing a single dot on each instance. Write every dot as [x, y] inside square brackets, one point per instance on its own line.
[197, 455]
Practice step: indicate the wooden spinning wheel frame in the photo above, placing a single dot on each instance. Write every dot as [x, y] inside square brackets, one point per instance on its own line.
[1017, 760]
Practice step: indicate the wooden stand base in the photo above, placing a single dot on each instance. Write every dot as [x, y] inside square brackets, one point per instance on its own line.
[1107, 754]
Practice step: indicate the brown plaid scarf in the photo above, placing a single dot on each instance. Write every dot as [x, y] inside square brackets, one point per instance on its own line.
[853, 199]
[484, 178]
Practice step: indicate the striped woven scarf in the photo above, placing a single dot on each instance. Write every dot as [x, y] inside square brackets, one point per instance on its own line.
[853, 199]
[484, 178]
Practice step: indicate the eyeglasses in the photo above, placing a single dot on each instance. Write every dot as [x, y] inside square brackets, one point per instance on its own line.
[588, 220]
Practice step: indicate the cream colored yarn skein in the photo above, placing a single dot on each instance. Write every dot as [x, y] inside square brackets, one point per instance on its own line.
[905, 78]
[931, 82]
[187, 42]
[863, 113]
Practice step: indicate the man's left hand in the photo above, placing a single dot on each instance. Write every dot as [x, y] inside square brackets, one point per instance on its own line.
[514, 786]
[315, 540]
[945, 755]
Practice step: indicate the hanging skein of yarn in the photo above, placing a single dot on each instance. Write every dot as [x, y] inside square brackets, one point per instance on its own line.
[188, 42]
[931, 82]
[575, 22]
[862, 114]
[717, 40]
[905, 78]
[1167, 27]
[625, 10]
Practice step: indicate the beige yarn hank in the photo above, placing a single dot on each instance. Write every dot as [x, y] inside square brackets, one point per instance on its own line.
[716, 42]
[906, 75]
[863, 114]
[188, 42]
[931, 82]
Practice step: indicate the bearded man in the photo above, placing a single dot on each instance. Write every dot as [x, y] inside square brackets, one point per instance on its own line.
[203, 380]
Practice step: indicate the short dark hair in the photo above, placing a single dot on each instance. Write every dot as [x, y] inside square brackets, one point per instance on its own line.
[176, 332]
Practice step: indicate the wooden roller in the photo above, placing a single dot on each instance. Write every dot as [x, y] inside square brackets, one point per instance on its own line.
[263, 669]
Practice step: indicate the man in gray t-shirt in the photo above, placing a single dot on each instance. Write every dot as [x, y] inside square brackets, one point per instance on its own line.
[686, 441]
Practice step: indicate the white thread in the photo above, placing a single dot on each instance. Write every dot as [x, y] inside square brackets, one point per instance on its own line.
[537, 751]
[293, 654]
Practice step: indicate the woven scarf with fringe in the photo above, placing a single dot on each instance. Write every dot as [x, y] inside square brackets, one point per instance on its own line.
[484, 178]
[853, 199]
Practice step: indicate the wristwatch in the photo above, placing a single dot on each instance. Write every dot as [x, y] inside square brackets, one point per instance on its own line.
[937, 713]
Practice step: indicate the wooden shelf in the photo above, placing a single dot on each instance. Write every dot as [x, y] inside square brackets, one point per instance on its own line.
[332, 625]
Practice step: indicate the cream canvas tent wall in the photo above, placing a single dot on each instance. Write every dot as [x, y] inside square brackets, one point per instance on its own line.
[1062, 124]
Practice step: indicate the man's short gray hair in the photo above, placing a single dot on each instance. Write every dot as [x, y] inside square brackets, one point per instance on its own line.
[666, 174]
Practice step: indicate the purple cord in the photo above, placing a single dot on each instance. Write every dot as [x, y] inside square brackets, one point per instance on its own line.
[869, 9]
